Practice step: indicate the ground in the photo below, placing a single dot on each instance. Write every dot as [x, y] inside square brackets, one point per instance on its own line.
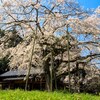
[43, 95]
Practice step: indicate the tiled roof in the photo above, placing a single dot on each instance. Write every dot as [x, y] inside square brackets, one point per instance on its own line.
[22, 72]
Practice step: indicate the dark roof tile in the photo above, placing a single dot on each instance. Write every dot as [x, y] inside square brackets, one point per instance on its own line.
[22, 72]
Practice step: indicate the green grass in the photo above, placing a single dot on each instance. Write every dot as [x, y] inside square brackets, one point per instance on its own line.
[40, 95]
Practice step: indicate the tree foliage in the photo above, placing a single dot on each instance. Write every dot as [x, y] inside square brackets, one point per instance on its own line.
[43, 26]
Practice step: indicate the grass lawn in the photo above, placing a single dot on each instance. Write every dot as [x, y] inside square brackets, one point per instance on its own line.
[40, 95]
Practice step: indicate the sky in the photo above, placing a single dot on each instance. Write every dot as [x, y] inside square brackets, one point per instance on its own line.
[89, 3]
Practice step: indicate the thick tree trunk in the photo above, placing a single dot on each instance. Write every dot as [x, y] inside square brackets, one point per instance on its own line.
[51, 71]
[48, 82]
[68, 50]
[30, 64]
[33, 47]
[55, 80]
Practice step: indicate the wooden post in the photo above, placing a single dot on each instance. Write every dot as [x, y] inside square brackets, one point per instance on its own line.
[1, 86]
